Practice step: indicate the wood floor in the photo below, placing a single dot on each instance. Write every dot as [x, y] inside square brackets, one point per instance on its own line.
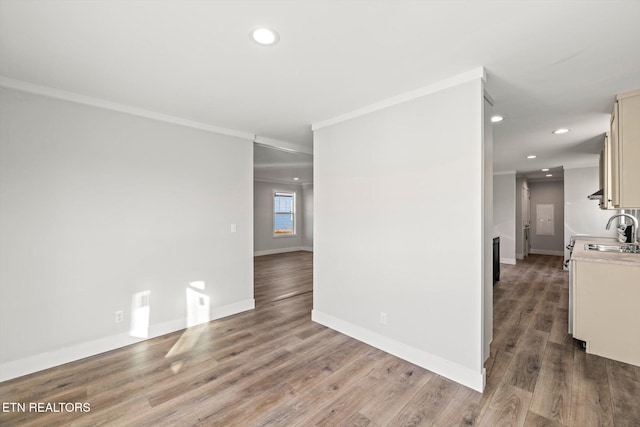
[282, 276]
[273, 366]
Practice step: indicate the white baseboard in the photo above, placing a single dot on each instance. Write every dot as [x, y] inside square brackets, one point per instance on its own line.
[39, 362]
[283, 250]
[519, 256]
[546, 252]
[511, 261]
[446, 368]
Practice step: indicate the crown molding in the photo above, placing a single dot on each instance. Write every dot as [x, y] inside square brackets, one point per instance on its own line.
[477, 73]
[505, 173]
[282, 165]
[539, 180]
[283, 182]
[488, 97]
[114, 106]
[581, 166]
[290, 147]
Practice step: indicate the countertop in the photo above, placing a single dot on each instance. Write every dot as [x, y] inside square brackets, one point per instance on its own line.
[582, 254]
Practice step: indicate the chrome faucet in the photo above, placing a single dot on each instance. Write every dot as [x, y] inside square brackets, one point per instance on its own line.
[634, 230]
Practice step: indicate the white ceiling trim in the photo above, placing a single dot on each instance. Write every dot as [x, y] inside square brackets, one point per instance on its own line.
[114, 106]
[544, 180]
[281, 165]
[477, 73]
[504, 173]
[283, 145]
[488, 97]
[282, 182]
[581, 166]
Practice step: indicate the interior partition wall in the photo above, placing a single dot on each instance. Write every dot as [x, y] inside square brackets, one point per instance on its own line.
[394, 184]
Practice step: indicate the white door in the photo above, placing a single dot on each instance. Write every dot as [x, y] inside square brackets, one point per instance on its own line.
[526, 220]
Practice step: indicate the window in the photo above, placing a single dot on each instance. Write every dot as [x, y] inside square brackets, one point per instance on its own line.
[284, 213]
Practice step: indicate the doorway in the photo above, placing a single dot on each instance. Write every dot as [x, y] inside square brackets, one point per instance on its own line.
[281, 276]
[283, 262]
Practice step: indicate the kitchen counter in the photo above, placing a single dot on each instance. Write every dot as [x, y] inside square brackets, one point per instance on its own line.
[582, 254]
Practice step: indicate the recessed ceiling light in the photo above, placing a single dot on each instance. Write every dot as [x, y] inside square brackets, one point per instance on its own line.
[560, 131]
[496, 119]
[264, 36]
[545, 170]
[531, 156]
[549, 174]
[296, 179]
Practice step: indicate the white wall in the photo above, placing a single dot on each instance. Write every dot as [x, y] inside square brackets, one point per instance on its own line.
[504, 214]
[386, 208]
[581, 215]
[264, 242]
[548, 193]
[307, 212]
[97, 205]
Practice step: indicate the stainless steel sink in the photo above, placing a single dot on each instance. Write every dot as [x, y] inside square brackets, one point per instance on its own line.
[629, 249]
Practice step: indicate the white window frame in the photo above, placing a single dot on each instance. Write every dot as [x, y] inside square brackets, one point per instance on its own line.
[293, 213]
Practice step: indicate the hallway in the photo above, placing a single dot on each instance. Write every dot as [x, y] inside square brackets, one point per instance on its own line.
[281, 276]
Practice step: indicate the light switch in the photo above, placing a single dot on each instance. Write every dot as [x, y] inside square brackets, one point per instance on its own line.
[233, 228]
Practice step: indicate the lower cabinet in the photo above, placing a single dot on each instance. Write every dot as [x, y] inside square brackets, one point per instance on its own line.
[605, 309]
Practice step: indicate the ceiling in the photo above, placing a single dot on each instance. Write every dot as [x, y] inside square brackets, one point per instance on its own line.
[273, 165]
[549, 64]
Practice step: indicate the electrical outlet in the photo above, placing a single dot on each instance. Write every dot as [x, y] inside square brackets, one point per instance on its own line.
[234, 228]
[119, 316]
[383, 317]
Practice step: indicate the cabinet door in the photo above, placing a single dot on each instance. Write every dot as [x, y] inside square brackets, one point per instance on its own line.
[615, 158]
[628, 117]
[601, 177]
[606, 314]
[605, 174]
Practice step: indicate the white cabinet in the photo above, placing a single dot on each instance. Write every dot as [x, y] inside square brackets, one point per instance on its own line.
[605, 174]
[605, 309]
[620, 158]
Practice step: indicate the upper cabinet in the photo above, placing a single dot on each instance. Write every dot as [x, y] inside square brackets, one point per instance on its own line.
[620, 158]
[605, 174]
